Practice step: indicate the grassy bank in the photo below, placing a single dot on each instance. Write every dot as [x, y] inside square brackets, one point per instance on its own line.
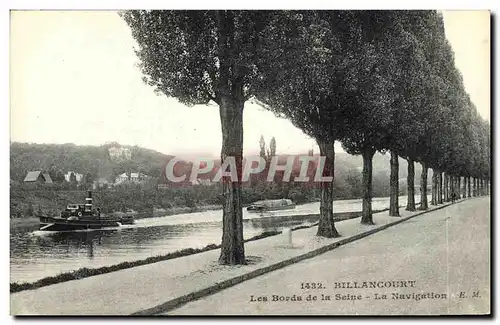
[18, 225]
[86, 272]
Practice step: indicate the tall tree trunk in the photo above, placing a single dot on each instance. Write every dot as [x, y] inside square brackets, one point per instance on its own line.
[231, 100]
[459, 187]
[434, 187]
[456, 187]
[452, 187]
[367, 217]
[469, 186]
[326, 226]
[474, 187]
[441, 175]
[464, 188]
[423, 188]
[451, 183]
[410, 181]
[394, 184]
[446, 191]
[232, 250]
[440, 187]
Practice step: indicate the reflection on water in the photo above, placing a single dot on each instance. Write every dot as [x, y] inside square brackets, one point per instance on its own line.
[39, 254]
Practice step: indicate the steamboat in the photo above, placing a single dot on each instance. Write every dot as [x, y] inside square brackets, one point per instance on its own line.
[82, 217]
[271, 205]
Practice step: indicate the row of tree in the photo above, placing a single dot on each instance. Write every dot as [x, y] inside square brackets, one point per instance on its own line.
[373, 80]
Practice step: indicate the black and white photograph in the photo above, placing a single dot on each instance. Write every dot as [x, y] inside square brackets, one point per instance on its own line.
[250, 162]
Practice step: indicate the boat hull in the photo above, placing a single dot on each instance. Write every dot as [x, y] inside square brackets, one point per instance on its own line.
[60, 224]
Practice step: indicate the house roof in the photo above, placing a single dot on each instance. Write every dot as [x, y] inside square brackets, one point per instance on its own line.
[47, 178]
[32, 176]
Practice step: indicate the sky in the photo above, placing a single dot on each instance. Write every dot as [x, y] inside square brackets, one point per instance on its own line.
[74, 79]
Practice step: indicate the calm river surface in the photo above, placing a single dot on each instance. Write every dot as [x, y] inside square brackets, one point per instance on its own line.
[39, 254]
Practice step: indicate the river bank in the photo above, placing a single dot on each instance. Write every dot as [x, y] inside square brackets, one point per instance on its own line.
[28, 224]
[38, 254]
[189, 277]
[87, 272]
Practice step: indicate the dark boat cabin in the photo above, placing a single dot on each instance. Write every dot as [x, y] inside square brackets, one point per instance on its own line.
[80, 210]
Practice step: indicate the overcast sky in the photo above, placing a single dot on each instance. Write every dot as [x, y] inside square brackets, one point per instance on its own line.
[74, 80]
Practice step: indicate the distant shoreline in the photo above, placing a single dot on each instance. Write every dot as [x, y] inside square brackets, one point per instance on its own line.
[23, 225]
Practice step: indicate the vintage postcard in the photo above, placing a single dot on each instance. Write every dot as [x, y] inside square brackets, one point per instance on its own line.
[255, 162]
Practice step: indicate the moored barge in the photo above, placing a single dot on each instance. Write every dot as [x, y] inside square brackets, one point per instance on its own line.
[271, 205]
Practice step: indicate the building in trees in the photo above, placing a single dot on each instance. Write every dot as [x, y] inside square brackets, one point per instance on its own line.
[36, 177]
[77, 177]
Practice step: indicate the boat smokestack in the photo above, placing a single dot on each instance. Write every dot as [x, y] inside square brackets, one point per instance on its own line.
[88, 202]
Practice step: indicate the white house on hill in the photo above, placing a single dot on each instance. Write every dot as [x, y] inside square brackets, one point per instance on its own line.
[133, 178]
[121, 178]
[78, 176]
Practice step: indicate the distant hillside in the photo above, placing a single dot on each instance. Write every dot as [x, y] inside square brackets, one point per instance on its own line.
[96, 161]
[93, 160]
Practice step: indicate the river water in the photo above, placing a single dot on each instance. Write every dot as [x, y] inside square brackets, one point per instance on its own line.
[39, 254]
